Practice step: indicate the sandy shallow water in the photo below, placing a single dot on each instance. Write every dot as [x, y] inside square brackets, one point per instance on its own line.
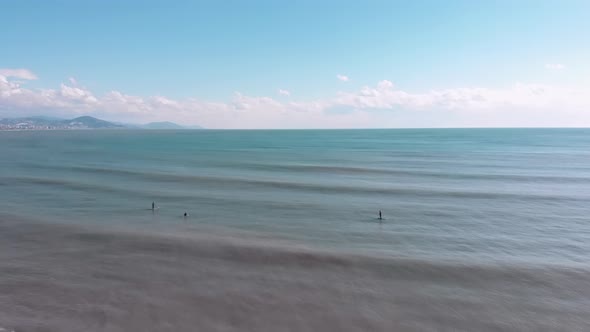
[69, 278]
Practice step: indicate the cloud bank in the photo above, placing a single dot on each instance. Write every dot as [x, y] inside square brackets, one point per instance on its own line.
[380, 105]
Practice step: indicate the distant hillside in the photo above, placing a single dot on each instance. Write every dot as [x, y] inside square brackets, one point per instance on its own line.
[45, 118]
[88, 122]
[82, 122]
[48, 123]
[162, 125]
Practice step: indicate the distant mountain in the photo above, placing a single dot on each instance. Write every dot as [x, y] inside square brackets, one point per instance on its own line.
[82, 122]
[48, 123]
[33, 120]
[88, 122]
[45, 118]
[128, 126]
[162, 125]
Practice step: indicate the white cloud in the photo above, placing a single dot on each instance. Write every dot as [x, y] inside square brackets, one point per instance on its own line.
[23, 74]
[282, 92]
[73, 81]
[77, 95]
[386, 96]
[242, 102]
[379, 105]
[343, 78]
[555, 66]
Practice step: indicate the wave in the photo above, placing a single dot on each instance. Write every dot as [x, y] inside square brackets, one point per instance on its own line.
[328, 169]
[251, 248]
[242, 183]
[418, 173]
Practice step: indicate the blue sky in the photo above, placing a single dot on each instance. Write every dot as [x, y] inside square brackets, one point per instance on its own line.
[260, 64]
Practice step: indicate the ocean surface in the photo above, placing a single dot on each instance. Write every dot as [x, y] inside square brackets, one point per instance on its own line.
[500, 210]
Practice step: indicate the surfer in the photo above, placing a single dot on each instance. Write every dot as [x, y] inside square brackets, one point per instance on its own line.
[153, 205]
[185, 214]
[380, 215]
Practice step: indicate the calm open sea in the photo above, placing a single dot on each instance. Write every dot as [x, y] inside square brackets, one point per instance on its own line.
[501, 194]
[519, 197]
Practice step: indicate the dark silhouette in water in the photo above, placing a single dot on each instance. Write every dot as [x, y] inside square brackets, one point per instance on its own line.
[153, 205]
[185, 214]
[380, 215]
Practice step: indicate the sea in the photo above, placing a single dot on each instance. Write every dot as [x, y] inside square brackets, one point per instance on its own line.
[492, 219]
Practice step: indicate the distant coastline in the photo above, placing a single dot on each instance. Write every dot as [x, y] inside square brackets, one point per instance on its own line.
[82, 122]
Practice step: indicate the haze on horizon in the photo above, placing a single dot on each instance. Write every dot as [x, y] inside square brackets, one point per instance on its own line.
[304, 64]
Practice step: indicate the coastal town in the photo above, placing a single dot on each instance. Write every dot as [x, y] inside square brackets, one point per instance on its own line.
[44, 123]
[79, 123]
[33, 126]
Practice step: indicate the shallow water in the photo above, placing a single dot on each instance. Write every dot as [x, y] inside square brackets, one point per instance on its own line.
[485, 229]
[65, 278]
[460, 194]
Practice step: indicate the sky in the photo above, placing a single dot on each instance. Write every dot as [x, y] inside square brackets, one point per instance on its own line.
[299, 64]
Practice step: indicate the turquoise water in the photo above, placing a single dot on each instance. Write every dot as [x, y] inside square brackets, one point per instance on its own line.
[509, 195]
